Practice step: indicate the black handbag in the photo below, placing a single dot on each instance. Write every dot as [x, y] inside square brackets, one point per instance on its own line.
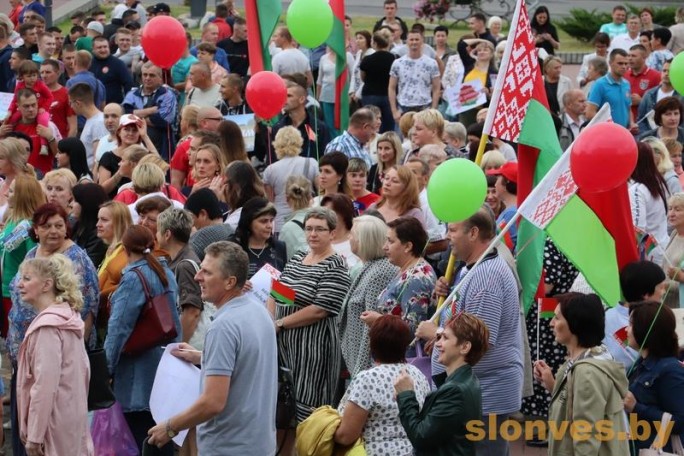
[100, 394]
[286, 410]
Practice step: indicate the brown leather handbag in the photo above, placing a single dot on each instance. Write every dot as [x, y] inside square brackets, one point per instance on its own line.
[155, 324]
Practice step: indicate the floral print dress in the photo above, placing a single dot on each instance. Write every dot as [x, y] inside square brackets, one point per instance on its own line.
[408, 295]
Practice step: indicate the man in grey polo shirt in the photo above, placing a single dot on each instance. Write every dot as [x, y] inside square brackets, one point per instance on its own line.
[235, 412]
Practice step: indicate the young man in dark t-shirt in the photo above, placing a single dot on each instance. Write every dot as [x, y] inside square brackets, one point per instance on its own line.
[236, 48]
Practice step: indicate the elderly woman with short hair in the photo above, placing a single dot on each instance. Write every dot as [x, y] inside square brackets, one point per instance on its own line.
[58, 184]
[668, 114]
[298, 191]
[308, 338]
[368, 236]
[664, 164]
[288, 145]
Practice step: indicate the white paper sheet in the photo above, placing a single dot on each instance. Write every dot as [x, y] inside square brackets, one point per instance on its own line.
[261, 283]
[176, 387]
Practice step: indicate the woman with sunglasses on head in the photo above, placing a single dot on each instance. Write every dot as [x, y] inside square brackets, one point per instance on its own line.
[408, 294]
[439, 427]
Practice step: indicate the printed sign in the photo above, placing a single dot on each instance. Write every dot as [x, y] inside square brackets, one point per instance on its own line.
[246, 123]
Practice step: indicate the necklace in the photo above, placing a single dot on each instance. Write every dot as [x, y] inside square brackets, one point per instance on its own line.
[258, 255]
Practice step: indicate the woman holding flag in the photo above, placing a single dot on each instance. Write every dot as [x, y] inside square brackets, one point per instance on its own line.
[312, 288]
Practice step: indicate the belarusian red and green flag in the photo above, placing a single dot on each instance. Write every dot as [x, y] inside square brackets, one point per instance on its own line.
[594, 231]
[519, 113]
[282, 293]
[621, 336]
[262, 16]
[547, 307]
[338, 44]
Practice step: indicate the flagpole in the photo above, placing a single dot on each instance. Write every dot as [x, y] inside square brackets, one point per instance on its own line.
[538, 325]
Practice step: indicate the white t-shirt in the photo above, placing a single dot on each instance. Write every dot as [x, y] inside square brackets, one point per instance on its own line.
[204, 98]
[234, 218]
[402, 49]
[93, 130]
[435, 229]
[344, 250]
[414, 80]
[290, 61]
[104, 146]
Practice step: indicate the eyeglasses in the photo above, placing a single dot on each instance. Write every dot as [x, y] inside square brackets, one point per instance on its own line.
[315, 229]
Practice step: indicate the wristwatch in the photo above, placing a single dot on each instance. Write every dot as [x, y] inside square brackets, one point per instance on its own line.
[170, 432]
[280, 324]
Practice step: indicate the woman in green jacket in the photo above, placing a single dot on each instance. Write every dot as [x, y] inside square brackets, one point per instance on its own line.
[441, 427]
[589, 389]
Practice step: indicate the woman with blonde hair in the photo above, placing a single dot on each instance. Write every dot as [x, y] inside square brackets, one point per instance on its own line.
[121, 176]
[13, 161]
[428, 128]
[556, 84]
[664, 164]
[148, 168]
[58, 184]
[674, 250]
[53, 368]
[208, 163]
[113, 219]
[390, 153]
[298, 191]
[288, 145]
[26, 195]
[400, 196]
[492, 159]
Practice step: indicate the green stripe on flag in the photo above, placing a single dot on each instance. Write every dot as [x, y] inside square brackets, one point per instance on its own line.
[591, 249]
[269, 14]
[282, 299]
[538, 131]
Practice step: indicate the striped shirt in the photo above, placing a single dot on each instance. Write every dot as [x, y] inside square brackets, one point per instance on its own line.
[349, 146]
[491, 294]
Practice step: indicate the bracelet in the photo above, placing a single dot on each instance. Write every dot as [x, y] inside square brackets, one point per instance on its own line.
[53, 139]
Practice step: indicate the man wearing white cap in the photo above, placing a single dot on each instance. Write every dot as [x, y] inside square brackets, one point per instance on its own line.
[85, 43]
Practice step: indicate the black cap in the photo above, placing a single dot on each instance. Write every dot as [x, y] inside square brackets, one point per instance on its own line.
[162, 8]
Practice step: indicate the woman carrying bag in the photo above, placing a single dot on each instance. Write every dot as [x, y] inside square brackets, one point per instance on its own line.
[133, 374]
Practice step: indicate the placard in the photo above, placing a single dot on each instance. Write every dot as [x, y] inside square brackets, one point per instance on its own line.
[246, 123]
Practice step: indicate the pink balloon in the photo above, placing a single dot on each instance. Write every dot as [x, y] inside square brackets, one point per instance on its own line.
[163, 40]
[266, 94]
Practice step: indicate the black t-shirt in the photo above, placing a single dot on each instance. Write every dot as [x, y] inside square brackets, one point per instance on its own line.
[238, 56]
[377, 68]
[552, 96]
[110, 162]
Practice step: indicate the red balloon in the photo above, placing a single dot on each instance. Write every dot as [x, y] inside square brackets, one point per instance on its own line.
[266, 94]
[603, 157]
[163, 40]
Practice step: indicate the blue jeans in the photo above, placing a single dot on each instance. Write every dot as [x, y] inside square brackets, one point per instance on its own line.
[381, 102]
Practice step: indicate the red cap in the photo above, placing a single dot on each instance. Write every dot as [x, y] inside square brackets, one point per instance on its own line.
[509, 170]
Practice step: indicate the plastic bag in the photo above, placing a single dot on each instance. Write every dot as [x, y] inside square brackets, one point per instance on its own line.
[111, 435]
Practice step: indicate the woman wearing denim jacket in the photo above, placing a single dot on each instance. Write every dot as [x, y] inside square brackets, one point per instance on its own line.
[134, 375]
[656, 382]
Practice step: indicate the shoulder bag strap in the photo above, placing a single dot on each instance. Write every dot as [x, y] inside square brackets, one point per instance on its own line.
[148, 295]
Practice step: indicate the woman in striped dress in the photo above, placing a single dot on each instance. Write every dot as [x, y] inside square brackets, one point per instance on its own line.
[308, 338]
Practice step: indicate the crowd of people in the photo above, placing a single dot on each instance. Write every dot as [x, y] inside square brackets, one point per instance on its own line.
[123, 181]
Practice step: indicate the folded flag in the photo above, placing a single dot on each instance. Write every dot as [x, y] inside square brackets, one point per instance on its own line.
[645, 243]
[282, 293]
[508, 238]
[621, 336]
[547, 307]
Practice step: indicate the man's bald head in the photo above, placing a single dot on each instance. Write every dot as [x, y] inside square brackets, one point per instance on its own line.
[208, 118]
[574, 102]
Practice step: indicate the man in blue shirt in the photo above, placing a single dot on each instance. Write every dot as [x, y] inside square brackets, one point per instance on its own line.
[614, 90]
[506, 188]
[156, 104]
[210, 34]
[618, 26]
[353, 140]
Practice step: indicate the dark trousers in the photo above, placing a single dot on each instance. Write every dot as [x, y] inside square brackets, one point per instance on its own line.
[381, 102]
[17, 446]
[141, 422]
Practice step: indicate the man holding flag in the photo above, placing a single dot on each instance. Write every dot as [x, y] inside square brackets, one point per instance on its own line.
[489, 292]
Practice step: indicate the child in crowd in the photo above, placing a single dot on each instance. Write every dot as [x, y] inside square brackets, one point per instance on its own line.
[27, 78]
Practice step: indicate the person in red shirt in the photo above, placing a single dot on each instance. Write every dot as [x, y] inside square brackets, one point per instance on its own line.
[16, 11]
[28, 75]
[61, 113]
[641, 78]
[27, 106]
[357, 175]
[225, 31]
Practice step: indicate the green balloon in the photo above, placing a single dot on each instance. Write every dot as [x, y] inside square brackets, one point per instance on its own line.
[456, 190]
[310, 22]
[677, 73]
